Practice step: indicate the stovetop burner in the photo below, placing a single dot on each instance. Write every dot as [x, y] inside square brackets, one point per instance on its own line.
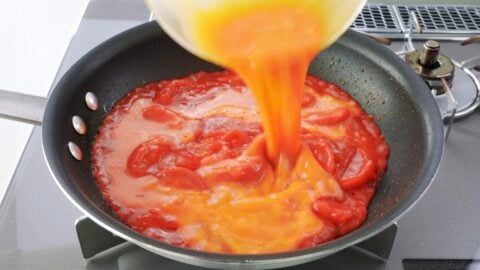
[454, 85]
[376, 250]
[436, 69]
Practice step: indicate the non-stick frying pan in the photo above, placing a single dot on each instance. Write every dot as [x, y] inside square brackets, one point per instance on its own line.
[385, 87]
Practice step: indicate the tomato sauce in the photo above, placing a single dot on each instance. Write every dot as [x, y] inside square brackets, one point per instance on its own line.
[186, 161]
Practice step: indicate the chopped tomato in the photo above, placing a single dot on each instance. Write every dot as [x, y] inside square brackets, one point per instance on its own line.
[344, 152]
[147, 154]
[214, 135]
[240, 171]
[160, 114]
[347, 214]
[359, 171]
[216, 157]
[232, 80]
[205, 149]
[307, 100]
[323, 87]
[236, 138]
[331, 117]
[156, 219]
[363, 194]
[181, 178]
[186, 159]
[166, 95]
[324, 154]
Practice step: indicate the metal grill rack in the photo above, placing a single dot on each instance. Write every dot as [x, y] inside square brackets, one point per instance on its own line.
[434, 19]
[378, 18]
[440, 19]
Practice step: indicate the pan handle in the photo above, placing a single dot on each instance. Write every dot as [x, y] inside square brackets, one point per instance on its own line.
[22, 107]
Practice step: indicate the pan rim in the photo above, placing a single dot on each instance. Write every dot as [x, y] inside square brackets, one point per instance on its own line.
[136, 35]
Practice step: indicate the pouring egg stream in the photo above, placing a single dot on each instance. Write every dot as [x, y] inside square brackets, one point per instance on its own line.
[270, 45]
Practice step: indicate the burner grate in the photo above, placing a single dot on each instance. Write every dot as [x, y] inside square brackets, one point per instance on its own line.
[441, 19]
[377, 18]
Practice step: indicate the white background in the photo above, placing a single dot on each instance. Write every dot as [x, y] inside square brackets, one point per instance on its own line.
[34, 36]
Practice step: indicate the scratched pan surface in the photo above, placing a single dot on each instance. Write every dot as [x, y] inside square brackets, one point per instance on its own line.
[381, 82]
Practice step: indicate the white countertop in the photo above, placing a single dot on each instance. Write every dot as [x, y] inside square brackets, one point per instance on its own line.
[35, 35]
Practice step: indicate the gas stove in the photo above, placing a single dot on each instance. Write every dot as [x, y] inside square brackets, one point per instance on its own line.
[37, 222]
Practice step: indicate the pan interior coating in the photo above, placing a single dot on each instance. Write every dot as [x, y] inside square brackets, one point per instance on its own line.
[384, 86]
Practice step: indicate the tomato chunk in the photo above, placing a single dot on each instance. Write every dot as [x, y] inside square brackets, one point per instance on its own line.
[324, 154]
[160, 114]
[336, 92]
[186, 159]
[146, 155]
[347, 214]
[331, 117]
[181, 178]
[236, 138]
[204, 149]
[307, 100]
[155, 219]
[241, 171]
[359, 171]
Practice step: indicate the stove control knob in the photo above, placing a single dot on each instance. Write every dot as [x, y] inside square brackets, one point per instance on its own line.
[429, 56]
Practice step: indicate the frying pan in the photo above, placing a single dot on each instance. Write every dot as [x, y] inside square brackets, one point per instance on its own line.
[385, 87]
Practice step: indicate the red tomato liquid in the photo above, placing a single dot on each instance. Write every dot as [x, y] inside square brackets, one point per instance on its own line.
[181, 161]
